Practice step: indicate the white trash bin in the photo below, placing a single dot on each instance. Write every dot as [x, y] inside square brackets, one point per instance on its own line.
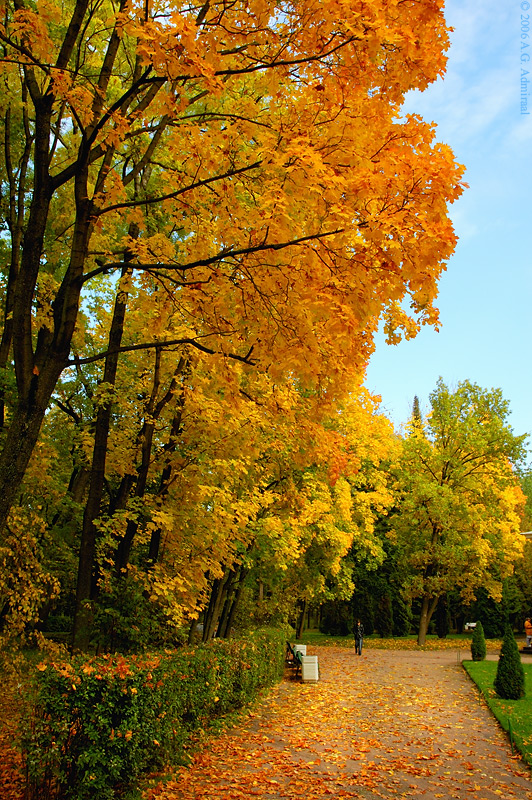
[300, 648]
[309, 669]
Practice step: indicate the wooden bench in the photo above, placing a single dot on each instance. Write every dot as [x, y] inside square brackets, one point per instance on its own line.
[293, 659]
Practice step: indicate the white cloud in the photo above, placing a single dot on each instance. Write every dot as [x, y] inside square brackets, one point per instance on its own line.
[481, 85]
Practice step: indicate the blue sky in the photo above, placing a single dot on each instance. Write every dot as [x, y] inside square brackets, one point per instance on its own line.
[485, 298]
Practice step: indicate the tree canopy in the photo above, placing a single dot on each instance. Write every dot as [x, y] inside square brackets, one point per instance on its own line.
[206, 212]
[458, 518]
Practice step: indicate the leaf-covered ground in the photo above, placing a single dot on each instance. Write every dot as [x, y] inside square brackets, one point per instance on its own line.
[11, 773]
[460, 643]
[384, 725]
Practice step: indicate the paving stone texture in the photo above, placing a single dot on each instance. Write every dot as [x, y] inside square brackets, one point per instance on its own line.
[387, 724]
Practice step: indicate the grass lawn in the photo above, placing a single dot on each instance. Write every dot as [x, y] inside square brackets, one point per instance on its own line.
[515, 716]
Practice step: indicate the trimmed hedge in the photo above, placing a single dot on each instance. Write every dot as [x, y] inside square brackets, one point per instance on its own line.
[510, 677]
[99, 723]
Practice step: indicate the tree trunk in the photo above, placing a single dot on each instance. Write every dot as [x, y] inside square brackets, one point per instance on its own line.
[152, 412]
[15, 219]
[22, 436]
[166, 475]
[208, 616]
[233, 585]
[126, 542]
[301, 621]
[428, 607]
[37, 372]
[191, 632]
[227, 624]
[224, 615]
[87, 551]
[219, 592]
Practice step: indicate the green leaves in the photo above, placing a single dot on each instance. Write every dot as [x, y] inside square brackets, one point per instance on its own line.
[478, 643]
[459, 496]
[510, 677]
[99, 723]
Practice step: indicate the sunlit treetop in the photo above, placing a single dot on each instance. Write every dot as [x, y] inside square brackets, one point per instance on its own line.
[247, 162]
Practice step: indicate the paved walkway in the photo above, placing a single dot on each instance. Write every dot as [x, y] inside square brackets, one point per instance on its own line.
[389, 724]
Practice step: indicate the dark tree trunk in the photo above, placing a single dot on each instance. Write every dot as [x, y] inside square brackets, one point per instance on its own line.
[17, 198]
[229, 589]
[87, 552]
[301, 620]
[152, 413]
[227, 620]
[219, 592]
[209, 613]
[37, 372]
[428, 606]
[192, 631]
[166, 474]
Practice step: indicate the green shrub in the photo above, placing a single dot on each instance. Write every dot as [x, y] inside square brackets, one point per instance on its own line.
[478, 644]
[126, 620]
[99, 723]
[510, 677]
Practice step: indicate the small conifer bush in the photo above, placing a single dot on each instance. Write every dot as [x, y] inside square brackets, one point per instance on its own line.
[478, 644]
[510, 678]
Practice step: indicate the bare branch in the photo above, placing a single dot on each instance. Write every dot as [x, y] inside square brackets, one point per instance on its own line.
[195, 185]
[227, 252]
[161, 344]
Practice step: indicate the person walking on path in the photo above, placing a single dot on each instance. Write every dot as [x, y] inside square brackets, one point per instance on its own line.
[528, 631]
[359, 637]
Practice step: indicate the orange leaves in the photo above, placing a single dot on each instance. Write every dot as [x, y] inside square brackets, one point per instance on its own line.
[353, 733]
[30, 28]
[250, 167]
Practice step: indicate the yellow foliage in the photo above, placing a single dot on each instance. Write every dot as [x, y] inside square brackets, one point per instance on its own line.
[250, 176]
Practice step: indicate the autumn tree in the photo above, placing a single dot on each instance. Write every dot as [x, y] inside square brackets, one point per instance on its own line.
[277, 484]
[251, 479]
[319, 490]
[246, 163]
[248, 160]
[315, 498]
[459, 497]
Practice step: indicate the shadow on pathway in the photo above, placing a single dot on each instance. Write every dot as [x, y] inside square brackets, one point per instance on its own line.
[388, 724]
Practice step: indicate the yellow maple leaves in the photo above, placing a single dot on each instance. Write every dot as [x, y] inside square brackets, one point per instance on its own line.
[247, 171]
